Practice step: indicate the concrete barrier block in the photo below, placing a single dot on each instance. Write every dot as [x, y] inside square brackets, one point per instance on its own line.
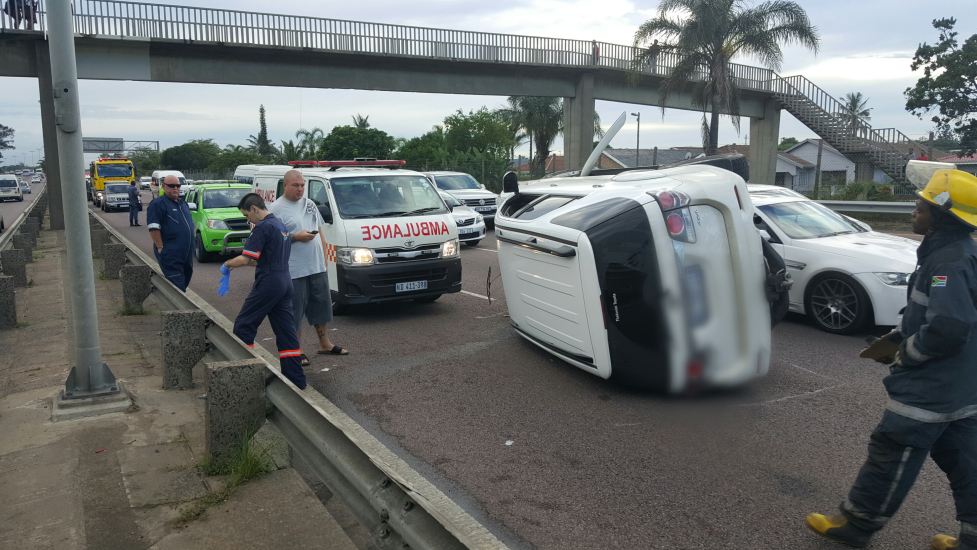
[184, 344]
[99, 238]
[23, 242]
[12, 263]
[8, 303]
[235, 405]
[136, 286]
[113, 258]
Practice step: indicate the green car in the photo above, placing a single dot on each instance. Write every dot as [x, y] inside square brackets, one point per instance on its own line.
[219, 226]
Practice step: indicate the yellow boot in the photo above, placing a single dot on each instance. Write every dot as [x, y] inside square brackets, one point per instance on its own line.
[838, 529]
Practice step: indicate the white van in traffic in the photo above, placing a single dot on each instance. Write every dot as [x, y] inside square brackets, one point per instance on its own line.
[389, 235]
[155, 184]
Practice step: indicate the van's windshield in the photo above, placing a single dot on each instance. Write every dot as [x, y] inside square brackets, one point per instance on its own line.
[378, 196]
[455, 182]
[8, 182]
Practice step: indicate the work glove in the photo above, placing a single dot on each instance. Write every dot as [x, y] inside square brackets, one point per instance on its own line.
[225, 283]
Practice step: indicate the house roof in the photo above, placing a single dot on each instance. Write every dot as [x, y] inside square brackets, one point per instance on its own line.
[957, 159]
[796, 161]
[827, 146]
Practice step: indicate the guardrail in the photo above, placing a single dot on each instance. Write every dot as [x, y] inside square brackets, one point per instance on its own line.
[873, 207]
[221, 26]
[8, 230]
[395, 503]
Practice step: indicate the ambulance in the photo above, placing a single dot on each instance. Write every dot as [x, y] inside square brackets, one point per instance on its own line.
[389, 235]
[656, 278]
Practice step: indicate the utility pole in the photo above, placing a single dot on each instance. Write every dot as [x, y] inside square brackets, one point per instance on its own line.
[637, 141]
[89, 377]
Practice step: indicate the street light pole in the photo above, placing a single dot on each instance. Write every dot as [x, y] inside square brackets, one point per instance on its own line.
[637, 141]
[89, 376]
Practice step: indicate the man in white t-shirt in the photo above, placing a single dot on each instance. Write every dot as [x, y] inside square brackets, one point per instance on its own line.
[307, 263]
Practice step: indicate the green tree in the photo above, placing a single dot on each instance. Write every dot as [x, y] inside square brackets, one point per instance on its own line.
[197, 154]
[707, 35]
[348, 142]
[361, 122]
[542, 120]
[289, 151]
[787, 143]
[260, 143]
[233, 156]
[855, 112]
[481, 130]
[145, 160]
[426, 152]
[948, 85]
[6, 139]
[310, 143]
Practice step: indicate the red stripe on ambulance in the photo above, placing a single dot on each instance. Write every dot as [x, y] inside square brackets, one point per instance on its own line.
[396, 231]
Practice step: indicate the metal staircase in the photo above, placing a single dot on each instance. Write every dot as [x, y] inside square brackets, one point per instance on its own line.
[887, 148]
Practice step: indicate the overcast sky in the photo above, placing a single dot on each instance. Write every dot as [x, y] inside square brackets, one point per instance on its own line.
[867, 46]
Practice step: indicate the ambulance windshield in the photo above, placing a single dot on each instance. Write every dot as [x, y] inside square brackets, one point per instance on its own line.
[378, 196]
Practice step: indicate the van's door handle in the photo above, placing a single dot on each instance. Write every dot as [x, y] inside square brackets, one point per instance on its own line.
[562, 250]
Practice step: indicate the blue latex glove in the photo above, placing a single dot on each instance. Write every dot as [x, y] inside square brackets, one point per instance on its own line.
[225, 283]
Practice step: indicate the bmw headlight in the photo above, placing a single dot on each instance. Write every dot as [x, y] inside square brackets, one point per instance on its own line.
[355, 256]
[449, 249]
[217, 224]
[894, 279]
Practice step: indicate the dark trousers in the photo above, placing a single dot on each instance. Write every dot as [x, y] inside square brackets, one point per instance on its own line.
[272, 298]
[177, 265]
[896, 452]
[133, 215]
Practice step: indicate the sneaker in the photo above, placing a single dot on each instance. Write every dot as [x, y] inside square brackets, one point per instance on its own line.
[838, 529]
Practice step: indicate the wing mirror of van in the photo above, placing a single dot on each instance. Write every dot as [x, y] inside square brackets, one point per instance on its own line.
[192, 205]
[326, 213]
[510, 182]
[765, 234]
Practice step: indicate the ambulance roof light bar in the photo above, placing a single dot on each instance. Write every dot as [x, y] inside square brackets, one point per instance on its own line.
[334, 164]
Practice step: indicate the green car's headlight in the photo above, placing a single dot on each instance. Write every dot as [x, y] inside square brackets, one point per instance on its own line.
[217, 224]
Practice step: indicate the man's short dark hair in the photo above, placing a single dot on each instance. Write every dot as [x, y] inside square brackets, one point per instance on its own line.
[251, 199]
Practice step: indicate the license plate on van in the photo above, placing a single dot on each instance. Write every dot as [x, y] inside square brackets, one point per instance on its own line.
[411, 286]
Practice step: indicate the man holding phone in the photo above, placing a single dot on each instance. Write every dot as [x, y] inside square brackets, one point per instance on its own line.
[311, 297]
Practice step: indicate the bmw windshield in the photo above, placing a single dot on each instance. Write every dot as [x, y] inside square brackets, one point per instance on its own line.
[807, 220]
[455, 182]
[379, 196]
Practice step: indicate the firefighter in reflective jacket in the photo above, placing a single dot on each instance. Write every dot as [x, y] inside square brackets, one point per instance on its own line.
[932, 387]
[268, 248]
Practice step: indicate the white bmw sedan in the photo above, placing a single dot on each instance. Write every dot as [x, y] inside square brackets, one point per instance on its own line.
[846, 276]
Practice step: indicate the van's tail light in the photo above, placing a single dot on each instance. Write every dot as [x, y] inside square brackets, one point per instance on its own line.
[670, 200]
[678, 220]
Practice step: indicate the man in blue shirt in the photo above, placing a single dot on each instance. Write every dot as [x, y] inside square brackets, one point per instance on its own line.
[171, 228]
[268, 249]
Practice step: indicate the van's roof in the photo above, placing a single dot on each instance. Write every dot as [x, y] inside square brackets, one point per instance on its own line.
[634, 179]
[168, 173]
[221, 184]
[344, 172]
[448, 173]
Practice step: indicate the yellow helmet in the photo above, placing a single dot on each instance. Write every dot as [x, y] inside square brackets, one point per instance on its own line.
[955, 192]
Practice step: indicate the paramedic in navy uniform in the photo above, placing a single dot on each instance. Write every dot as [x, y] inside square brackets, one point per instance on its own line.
[171, 228]
[268, 248]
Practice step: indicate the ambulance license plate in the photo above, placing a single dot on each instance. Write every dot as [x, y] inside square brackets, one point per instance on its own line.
[411, 286]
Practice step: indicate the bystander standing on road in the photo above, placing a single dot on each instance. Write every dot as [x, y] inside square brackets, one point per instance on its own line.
[932, 384]
[268, 249]
[171, 228]
[307, 263]
[135, 204]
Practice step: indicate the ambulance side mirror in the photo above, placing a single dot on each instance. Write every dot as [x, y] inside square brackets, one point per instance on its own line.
[326, 213]
[510, 182]
[765, 234]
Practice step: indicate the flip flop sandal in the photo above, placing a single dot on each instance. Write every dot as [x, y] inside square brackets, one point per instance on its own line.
[336, 350]
[304, 360]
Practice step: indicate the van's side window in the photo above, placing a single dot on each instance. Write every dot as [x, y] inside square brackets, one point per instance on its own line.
[281, 188]
[543, 206]
[317, 192]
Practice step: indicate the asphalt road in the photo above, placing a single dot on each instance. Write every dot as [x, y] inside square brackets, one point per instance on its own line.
[9, 210]
[551, 457]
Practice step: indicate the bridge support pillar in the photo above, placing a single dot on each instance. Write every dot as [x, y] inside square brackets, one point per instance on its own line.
[764, 138]
[578, 121]
[49, 130]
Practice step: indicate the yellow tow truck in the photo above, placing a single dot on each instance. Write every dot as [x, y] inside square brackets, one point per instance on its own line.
[108, 170]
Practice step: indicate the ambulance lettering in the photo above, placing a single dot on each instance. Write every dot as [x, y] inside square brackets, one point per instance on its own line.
[395, 231]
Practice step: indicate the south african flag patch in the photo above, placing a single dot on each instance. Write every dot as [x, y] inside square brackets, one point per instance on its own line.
[938, 281]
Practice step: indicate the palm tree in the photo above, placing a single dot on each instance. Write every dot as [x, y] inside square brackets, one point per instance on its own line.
[361, 122]
[291, 151]
[855, 111]
[707, 35]
[541, 120]
[311, 142]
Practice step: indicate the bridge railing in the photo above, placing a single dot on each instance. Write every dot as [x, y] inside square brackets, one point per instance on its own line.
[125, 19]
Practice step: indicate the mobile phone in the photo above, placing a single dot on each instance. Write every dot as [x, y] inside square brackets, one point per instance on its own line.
[314, 232]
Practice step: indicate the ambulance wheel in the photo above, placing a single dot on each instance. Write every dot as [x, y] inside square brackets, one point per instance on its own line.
[200, 252]
[338, 308]
[836, 303]
[427, 299]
